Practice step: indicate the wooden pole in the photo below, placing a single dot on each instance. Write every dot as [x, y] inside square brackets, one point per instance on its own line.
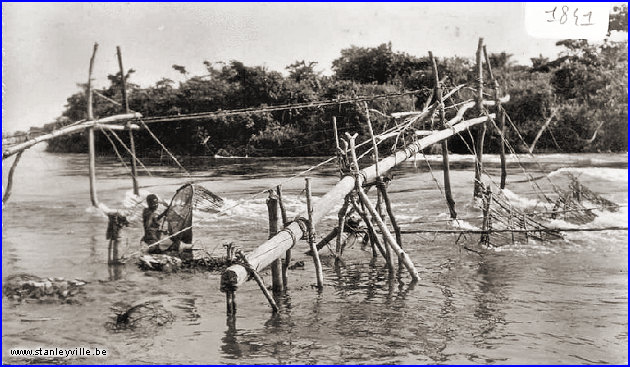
[337, 147]
[501, 114]
[524, 225]
[389, 258]
[326, 239]
[379, 198]
[445, 162]
[132, 144]
[7, 192]
[90, 107]
[402, 255]
[275, 247]
[481, 133]
[285, 222]
[262, 287]
[486, 224]
[341, 223]
[311, 239]
[276, 265]
[388, 205]
[374, 240]
[91, 148]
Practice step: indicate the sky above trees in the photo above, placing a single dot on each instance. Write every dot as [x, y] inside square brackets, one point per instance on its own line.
[46, 47]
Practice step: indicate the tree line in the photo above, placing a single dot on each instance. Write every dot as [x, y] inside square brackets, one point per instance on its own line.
[577, 102]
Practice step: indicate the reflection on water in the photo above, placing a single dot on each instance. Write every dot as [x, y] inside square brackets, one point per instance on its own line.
[561, 302]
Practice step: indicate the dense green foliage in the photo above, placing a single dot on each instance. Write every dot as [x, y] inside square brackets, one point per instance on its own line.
[584, 93]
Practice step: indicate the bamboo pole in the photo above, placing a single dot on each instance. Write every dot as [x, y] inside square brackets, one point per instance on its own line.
[501, 114]
[481, 133]
[132, 144]
[91, 148]
[68, 130]
[271, 249]
[445, 162]
[287, 255]
[7, 191]
[311, 235]
[276, 265]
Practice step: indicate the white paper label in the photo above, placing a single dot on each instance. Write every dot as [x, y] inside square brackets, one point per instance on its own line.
[567, 20]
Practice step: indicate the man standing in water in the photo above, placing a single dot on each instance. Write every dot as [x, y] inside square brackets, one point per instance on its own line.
[151, 220]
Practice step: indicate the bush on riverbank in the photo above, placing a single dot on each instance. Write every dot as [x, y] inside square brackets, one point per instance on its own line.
[583, 92]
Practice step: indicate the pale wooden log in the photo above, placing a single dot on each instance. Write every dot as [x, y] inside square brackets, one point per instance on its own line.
[424, 132]
[132, 144]
[445, 163]
[276, 265]
[458, 117]
[117, 127]
[311, 235]
[7, 191]
[6, 153]
[275, 247]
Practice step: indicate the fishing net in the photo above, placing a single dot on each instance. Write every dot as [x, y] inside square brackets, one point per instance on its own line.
[179, 213]
[507, 224]
[576, 204]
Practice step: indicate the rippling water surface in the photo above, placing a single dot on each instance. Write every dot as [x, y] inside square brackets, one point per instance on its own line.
[555, 302]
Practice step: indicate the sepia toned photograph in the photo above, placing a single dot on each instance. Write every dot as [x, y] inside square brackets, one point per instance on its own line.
[315, 183]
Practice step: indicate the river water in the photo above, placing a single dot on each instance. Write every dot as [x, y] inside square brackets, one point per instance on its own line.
[528, 302]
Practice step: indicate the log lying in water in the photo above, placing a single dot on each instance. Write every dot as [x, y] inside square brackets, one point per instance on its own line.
[6, 153]
[275, 247]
